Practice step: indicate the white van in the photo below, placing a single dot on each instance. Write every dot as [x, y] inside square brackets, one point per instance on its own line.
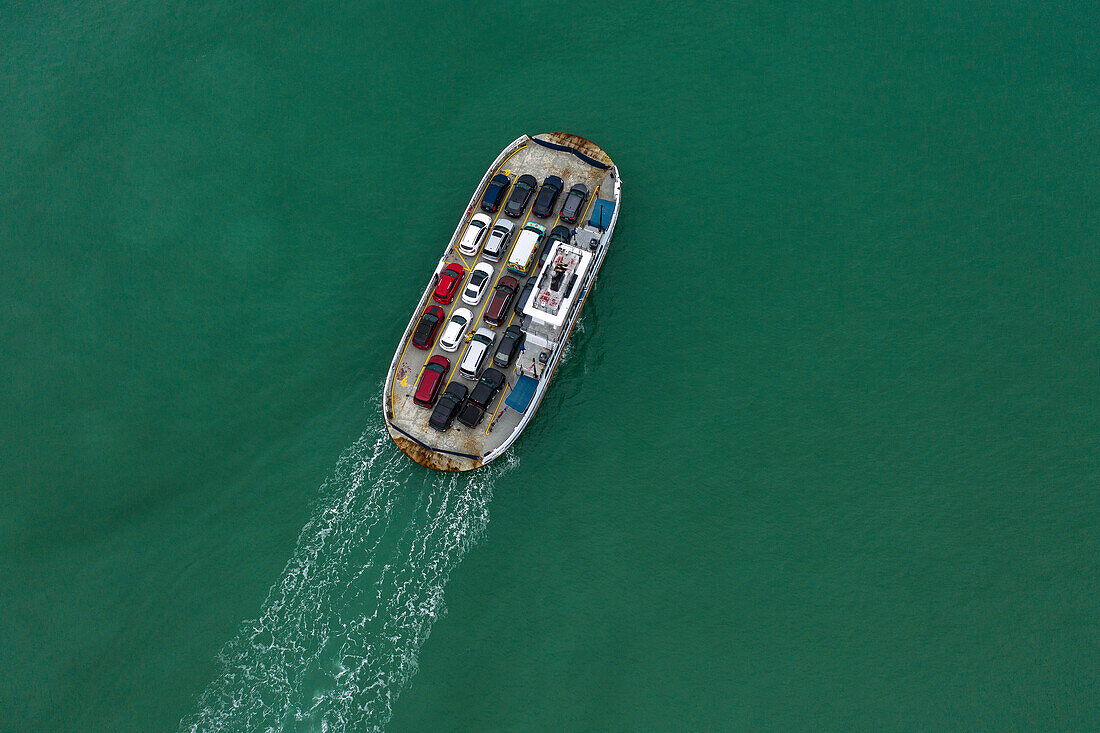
[526, 250]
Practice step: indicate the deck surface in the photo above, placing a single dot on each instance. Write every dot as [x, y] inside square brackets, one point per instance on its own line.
[462, 448]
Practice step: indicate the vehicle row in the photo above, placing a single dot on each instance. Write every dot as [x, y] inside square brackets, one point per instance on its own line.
[435, 371]
[530, 248]
[469, 406]
[545, 199]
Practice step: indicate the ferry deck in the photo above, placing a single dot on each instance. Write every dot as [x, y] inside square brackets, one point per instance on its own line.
[547, 319]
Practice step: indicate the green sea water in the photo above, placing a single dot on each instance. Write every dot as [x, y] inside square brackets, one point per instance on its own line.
[824, 454]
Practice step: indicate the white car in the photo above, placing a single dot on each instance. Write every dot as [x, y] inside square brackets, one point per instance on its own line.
[475, 230]
[498, 240]
[477, 284]
[480, 345]
[455, 328]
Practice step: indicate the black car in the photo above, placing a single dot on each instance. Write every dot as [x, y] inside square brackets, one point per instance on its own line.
[470, 415]
[447, 406]
[487, 387]
[574, 203]
[494, 193]
[524, 296]
[559, 233]
[509, 346]
[426, 327]
[548, 195]
[521, 194]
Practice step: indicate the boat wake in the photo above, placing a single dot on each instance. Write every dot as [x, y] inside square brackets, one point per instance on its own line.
[339, 634]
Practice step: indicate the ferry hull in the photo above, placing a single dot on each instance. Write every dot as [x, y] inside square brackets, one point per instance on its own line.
[546, 320]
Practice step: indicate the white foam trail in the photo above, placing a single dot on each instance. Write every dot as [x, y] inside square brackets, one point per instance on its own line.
[338, 636]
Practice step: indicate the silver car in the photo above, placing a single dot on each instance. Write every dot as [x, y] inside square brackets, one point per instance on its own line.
[497, 242]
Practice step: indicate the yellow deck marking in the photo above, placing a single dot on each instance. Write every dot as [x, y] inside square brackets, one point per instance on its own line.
[591, 200]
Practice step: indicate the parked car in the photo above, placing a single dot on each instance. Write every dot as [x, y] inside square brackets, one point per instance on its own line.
[524, 296]
[548, 196]
[471, 415]
[574, 203]
[478, 283]
[431, 379]
[494, 193]
[500, 300]
[527, 247]
[560, 233]
[426, 327]
[445, 409]
[521, 194]
[455, 329]
[479, 347]
[497, 241]
[485, 389]
[448, 283]
[475, 230]
[509, 347]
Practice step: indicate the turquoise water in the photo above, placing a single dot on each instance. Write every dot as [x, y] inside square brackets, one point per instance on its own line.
[824, 453]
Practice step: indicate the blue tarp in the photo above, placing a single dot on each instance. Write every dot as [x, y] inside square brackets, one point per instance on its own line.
[520, 396]
[602, 210]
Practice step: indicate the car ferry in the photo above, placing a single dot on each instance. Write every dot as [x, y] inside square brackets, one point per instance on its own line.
[483, 342]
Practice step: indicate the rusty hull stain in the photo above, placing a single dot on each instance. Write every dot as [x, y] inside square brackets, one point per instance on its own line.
[578, 143]
[431, 459]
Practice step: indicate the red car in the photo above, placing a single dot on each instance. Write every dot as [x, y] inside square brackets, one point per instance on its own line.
[448, 283]
[426, 327]
[431, 379]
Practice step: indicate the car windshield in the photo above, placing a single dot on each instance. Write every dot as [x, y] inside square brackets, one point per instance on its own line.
[433, 367]
[458, 320]
[430, 318]
[477, 278]
[523, 187]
